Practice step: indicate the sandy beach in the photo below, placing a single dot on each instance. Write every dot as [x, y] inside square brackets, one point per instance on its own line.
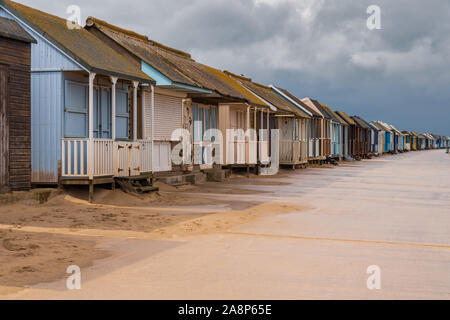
[304, 234]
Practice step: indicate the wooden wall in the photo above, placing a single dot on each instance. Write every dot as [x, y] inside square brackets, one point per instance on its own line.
[16, 57]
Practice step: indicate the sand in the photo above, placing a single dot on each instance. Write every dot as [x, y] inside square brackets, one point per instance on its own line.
[305, 234]
[40, 241]
[28, 258]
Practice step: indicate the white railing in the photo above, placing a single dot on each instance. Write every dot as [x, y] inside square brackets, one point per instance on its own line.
[296, 150]
[252, 151]
[303, 151]
[293, 151]
[103, 157]
[287, 151]
[162, 160]
[264, 152]
[146, 156]
[74, 157]
[236, 151]
[84, 157]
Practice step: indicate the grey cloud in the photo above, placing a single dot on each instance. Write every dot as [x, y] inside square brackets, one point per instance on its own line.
[318, 48]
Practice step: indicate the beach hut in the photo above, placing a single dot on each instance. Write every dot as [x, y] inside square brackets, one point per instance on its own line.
[313, 124]
[290, 120]
[254, 114]
[414, 137]
[377, 139]
[15, 106]
[84, 107]
[421, 142]
[429, 141]
[394, 138]
[399, 139]
[363, 133]
[408, 140]
[336, 132]
[344, 137]
[388, 136]
[349, 135]
[323, 126]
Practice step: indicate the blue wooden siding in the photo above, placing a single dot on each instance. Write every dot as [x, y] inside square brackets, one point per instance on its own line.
[46, 125]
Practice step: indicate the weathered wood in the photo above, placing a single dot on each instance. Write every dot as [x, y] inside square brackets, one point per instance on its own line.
[4, 130]
[15, 140]
[91, 191]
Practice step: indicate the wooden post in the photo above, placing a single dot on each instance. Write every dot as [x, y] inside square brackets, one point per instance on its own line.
[91, 127]
[144, 135]
[268, 131]
[91, 191]
[135, 87]
[152, 122]
[59, 175]
[113, 108]
[91, 105]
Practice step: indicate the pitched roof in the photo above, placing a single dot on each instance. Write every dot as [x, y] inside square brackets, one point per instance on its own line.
[384, 126]
[176, 65]
[344, 116]
[374, 126]
[343, 122]
[268, 95]
[12, 30]
[314, 105]
[249, 96]
[396, 130]
[292, 98]
[78, 43]
[332, 114]
[361, 122]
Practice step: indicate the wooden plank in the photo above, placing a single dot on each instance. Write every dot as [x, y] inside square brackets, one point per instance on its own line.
[17, 56]
[4, 130]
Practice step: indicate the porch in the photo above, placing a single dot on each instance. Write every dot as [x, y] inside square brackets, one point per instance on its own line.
[293, 152]
[246, 133]
[104, 132]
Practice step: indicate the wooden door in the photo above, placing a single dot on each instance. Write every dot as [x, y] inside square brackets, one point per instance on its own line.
[4, 130]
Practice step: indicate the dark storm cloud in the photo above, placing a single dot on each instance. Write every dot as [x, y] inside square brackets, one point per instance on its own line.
[318, 48]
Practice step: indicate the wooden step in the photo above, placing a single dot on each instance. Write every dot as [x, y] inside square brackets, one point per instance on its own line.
[136, 185]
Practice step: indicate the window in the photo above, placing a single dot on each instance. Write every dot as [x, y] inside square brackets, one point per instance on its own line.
[75, 110]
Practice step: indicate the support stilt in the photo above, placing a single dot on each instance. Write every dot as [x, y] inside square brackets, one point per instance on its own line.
[91, 191]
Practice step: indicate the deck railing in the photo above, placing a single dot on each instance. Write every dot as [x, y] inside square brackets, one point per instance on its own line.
[85, 157]
[289, 151]
[146, 156]
[90, 158]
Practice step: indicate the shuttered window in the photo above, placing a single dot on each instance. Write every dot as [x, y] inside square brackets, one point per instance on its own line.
[168, 115]
[122, 115]
[148, 113]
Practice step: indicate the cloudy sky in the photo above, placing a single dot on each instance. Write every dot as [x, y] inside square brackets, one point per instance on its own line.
[317, 48]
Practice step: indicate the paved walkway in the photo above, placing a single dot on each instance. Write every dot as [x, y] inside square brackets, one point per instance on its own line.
[393, 212]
